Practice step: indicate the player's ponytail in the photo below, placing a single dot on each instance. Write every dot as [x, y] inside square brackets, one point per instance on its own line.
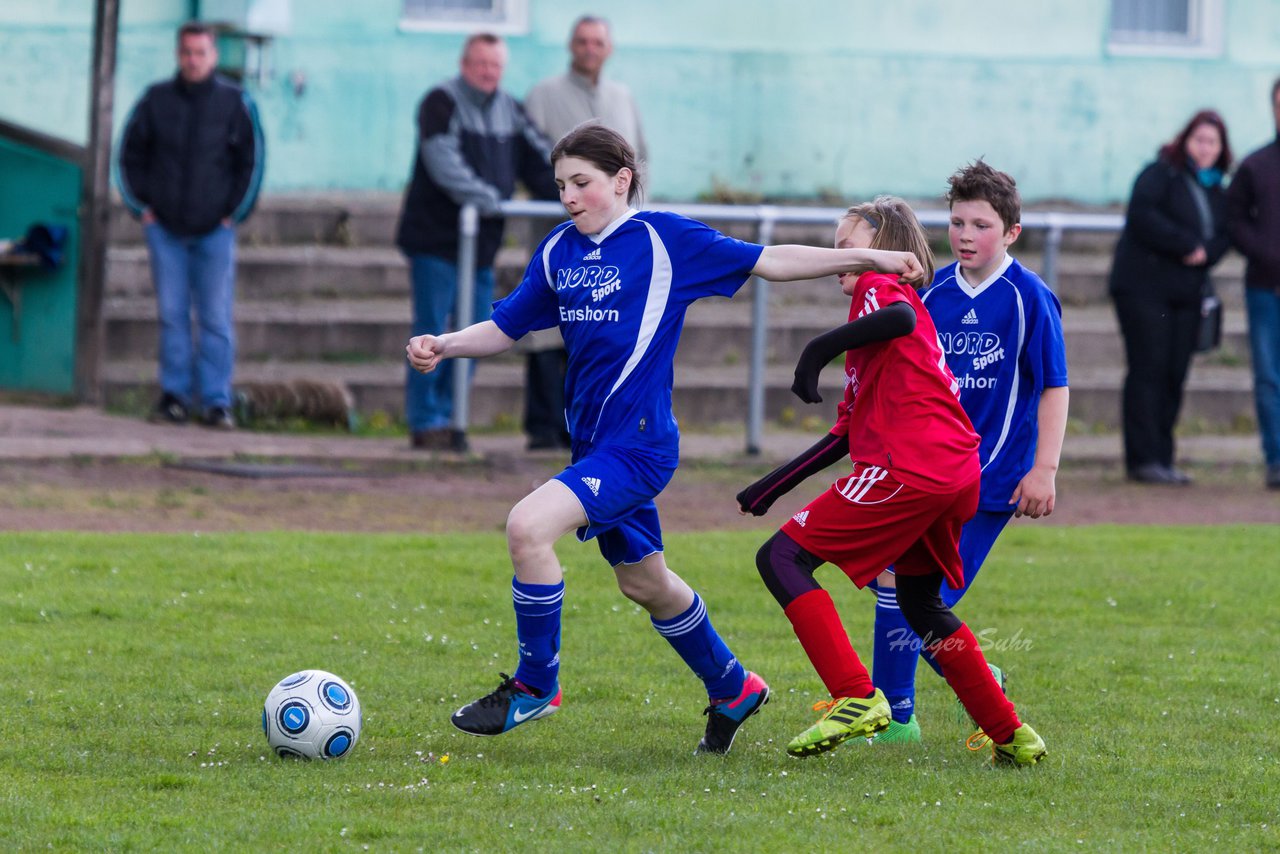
[896, 229]
[602, 147]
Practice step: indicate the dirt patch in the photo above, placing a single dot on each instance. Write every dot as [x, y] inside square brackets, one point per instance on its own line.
[147, 495]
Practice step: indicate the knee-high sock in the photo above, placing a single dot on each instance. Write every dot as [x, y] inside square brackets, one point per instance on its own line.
[966, 671]
[897, 649]
[538, 631]
[693, 637]
[817, 624]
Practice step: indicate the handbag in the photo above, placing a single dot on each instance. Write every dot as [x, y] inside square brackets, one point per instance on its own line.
[1209, 333]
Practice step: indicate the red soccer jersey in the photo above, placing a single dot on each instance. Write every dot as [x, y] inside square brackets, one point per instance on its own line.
[901, 407]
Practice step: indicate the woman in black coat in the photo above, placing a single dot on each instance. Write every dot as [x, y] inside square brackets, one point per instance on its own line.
[1175, 230]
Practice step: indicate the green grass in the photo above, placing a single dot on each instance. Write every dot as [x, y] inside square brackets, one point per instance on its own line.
[136, 667]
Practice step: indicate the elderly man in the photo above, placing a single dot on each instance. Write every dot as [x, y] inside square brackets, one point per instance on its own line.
[474, 142]
[557, 105]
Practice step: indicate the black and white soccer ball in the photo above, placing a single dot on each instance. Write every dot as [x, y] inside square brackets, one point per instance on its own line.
[312, 714]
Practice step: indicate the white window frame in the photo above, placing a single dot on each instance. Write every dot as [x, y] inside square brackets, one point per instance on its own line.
[1205, 40]
[509, 17]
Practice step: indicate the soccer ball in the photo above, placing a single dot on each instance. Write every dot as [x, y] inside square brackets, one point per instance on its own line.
[311, 715]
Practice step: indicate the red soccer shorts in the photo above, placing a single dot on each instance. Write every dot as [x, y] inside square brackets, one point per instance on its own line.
[868, 521]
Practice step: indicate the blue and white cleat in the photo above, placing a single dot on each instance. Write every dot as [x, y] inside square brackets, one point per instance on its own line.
[505, 709]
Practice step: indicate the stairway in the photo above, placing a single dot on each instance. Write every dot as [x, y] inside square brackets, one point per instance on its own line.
[322, 294]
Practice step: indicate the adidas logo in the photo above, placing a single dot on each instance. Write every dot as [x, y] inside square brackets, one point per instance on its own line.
[593, 484]
[970, 318]
[801, 517]
[903, 704]
[593, 255]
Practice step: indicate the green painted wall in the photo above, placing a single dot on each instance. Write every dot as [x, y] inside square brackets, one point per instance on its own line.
[850, 97]
[38, 352]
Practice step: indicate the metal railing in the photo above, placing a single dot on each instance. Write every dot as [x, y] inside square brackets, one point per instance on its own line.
[766, 217]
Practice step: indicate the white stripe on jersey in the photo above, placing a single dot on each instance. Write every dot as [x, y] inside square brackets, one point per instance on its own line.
[546, 255]
[655, 305]
[1013, 386]
[869, 302]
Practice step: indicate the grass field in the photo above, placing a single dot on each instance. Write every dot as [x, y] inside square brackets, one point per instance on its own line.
[137, 664]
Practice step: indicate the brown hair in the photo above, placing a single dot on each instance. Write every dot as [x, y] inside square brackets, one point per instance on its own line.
[1175, 151]
[978, 182]
[603, 148]
[194, 28]
[897, 229]
[479, 38]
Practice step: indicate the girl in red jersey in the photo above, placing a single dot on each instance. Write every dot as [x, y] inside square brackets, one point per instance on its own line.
[914, 484]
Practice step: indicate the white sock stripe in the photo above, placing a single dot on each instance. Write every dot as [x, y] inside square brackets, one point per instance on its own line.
[525, 599]
[686, 625]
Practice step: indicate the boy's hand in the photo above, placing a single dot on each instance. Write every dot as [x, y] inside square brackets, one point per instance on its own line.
[425, 352]
[1035, 493]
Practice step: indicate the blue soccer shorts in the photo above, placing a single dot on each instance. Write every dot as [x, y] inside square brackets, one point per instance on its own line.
[616, 487]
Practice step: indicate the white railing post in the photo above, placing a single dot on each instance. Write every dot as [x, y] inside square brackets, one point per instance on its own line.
[463, 311]
[759, 341]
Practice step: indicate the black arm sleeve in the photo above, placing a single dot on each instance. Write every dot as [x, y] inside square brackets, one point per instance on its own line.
[757, 498]
[892, 321]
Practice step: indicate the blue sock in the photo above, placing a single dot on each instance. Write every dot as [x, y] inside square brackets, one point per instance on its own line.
[538, 630]
[694, 638]
[894, 656]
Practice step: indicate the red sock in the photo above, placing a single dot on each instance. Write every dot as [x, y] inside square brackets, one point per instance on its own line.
[966, 671]
[817, 624]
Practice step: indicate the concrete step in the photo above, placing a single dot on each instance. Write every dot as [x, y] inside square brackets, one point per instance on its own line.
[1217, 398]
[318, 271]
[716, 332]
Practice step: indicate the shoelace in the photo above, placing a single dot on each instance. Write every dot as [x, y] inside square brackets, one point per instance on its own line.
[979, 740]
[825, 706]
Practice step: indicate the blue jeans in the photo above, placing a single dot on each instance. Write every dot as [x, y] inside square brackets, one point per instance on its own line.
[428, 398]
[197, 272]
[1263, 308]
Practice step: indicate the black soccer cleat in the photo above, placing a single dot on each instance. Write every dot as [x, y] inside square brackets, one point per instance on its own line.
[724, 719]
[505, 708]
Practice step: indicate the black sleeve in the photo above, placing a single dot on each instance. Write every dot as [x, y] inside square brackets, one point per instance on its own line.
[1148, 219]
[135, 157]
[757, 498]
[892, 321]
[245, 142]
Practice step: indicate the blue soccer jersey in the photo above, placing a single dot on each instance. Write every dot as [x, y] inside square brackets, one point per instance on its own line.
[619, 299]
[1003, 341]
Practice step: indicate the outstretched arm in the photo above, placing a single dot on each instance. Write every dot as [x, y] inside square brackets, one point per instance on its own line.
[892, 321]
[757, 498]
[1036, 492]
[789, 262]
[480, 339]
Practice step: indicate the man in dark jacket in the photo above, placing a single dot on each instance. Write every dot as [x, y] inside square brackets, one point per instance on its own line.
[1253, 211]
[191, 161]
[474, 142]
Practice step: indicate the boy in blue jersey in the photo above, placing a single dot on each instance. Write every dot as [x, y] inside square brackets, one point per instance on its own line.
[1001, 331]
[617, 283]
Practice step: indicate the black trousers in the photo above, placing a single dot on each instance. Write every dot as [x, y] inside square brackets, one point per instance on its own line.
[1159, 338]
[544, 396]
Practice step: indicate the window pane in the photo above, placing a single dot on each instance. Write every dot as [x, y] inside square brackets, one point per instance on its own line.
[451, 10]
[1151, 17]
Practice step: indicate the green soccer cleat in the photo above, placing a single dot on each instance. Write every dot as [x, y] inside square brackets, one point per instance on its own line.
[843, 718]
[1025, 748]
[908, 733]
